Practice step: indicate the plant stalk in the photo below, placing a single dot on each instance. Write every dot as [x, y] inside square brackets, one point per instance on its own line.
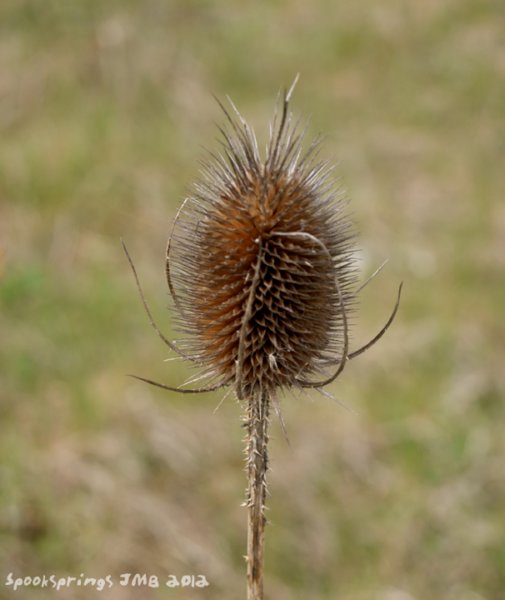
[258, 406]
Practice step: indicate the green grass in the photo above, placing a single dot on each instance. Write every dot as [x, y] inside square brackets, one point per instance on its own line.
[104, 108]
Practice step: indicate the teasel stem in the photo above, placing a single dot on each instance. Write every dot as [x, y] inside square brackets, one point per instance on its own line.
[257, 421]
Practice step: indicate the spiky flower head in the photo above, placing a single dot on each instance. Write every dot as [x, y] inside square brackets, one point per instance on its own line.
[261, 262]
[260, 265]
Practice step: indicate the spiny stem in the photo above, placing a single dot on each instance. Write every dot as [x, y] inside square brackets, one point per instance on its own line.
[258, 407]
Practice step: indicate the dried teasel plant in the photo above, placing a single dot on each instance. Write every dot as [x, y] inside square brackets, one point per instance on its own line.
[261, 269]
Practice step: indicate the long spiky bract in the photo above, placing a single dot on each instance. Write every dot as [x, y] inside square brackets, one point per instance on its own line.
[260, 265]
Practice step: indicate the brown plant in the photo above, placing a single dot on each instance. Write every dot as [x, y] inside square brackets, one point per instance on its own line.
[260, 266]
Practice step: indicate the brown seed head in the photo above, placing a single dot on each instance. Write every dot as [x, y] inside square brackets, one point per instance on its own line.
[261, 264]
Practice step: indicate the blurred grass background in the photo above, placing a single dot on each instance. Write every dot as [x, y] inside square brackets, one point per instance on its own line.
[104, 107]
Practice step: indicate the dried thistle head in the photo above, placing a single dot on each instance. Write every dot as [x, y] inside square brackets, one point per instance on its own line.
[263, 262]
[260, 264]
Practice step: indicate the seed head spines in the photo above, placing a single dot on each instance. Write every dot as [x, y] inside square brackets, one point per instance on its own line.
[263, 261]
[260, 265]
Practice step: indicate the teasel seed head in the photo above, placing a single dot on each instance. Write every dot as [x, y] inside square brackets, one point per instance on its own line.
[260, 265]
[261, 262]
[261, 268]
